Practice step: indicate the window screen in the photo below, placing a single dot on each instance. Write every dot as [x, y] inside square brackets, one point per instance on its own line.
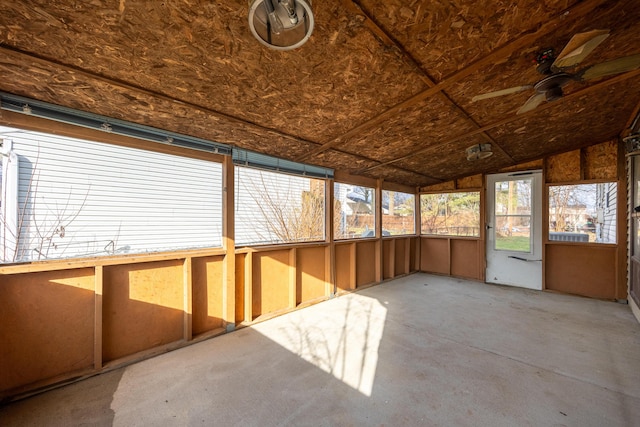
[81, 198]
[273, 207]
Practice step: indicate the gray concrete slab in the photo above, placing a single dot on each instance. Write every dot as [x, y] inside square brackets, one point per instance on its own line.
[420, 350]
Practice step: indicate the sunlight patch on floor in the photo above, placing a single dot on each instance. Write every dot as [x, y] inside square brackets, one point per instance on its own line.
[343, 343]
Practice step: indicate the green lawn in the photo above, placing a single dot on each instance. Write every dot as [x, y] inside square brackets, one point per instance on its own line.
[513, 243]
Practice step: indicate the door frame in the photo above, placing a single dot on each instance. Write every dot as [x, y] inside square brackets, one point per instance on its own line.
[530, 265]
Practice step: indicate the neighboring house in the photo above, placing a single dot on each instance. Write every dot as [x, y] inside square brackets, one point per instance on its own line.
[83, 198]
[606, 201]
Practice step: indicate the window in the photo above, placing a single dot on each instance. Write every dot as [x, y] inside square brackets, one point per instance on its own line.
[78, 198]
[450, 214]
[354, 211]
[513, 215]
[273, 207]
[398, 213]
[583, 213]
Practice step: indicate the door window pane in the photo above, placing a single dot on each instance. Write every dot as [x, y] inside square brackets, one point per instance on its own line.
[513, 215]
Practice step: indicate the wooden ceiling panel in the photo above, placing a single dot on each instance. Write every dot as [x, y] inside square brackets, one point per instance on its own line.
[450, 161]
[519, 68]
[77, 90]
[445, 36]
[205, 54]
[420, 126]
[571, 123]
[342, 161]
[393, 174]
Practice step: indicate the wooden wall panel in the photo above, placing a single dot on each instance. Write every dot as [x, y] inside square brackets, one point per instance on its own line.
[388, 255]
[310, 274]
[207, 294]
[270, 282]
[470, 182]
[143, 307]
[400, 257]
[46, 326]
[601, 161]
[344, 266]
[434, 255]
[464, 259]
[563, 167]
[365, 263]
[587, 270]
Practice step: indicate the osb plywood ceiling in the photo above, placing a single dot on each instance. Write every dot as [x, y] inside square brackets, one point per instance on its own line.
[382, 88]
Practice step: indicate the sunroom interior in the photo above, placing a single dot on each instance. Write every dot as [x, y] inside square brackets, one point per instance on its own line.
[167, 178]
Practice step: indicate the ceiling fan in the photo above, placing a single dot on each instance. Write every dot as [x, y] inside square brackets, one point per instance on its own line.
[549, 88]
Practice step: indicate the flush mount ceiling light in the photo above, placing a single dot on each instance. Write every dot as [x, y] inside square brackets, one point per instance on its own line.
[479, 151]
[281, 24]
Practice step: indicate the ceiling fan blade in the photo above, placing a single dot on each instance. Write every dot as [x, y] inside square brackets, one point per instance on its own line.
[501, 92]
[578, 48]
[532, 103]
[615, 66]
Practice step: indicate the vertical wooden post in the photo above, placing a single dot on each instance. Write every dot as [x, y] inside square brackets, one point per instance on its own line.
[378, 226]
[392, 258]
[248, 287]
[228, 244]
[293, 278]
[353, 277]
[407, 258]
[417, 214]
[97, 334]
[449, 256]
[482, 233]
[622, 254]
[330, 251]
[545, 222]
[187, 298]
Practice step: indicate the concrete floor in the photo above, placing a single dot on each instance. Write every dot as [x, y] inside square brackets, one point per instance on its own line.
[420, 350]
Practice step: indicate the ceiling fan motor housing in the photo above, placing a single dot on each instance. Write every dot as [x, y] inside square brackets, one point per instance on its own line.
[545, 60]
[552, 85]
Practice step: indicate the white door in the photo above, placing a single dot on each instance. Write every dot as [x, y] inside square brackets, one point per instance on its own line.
[514, 229]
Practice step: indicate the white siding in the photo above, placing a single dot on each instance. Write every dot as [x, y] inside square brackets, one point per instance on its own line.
[112, 199]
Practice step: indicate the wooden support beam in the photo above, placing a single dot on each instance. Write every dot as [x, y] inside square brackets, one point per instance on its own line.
[353, 278]
[622, 289]
[97, 334]
[293, 288]
[248, 287]
[378, 227]
[330, 250]
[228, 244]
[407, 256]
[188, 299]
[392, 257]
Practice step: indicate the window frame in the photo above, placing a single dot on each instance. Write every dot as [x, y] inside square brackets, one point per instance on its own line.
[607, 201]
